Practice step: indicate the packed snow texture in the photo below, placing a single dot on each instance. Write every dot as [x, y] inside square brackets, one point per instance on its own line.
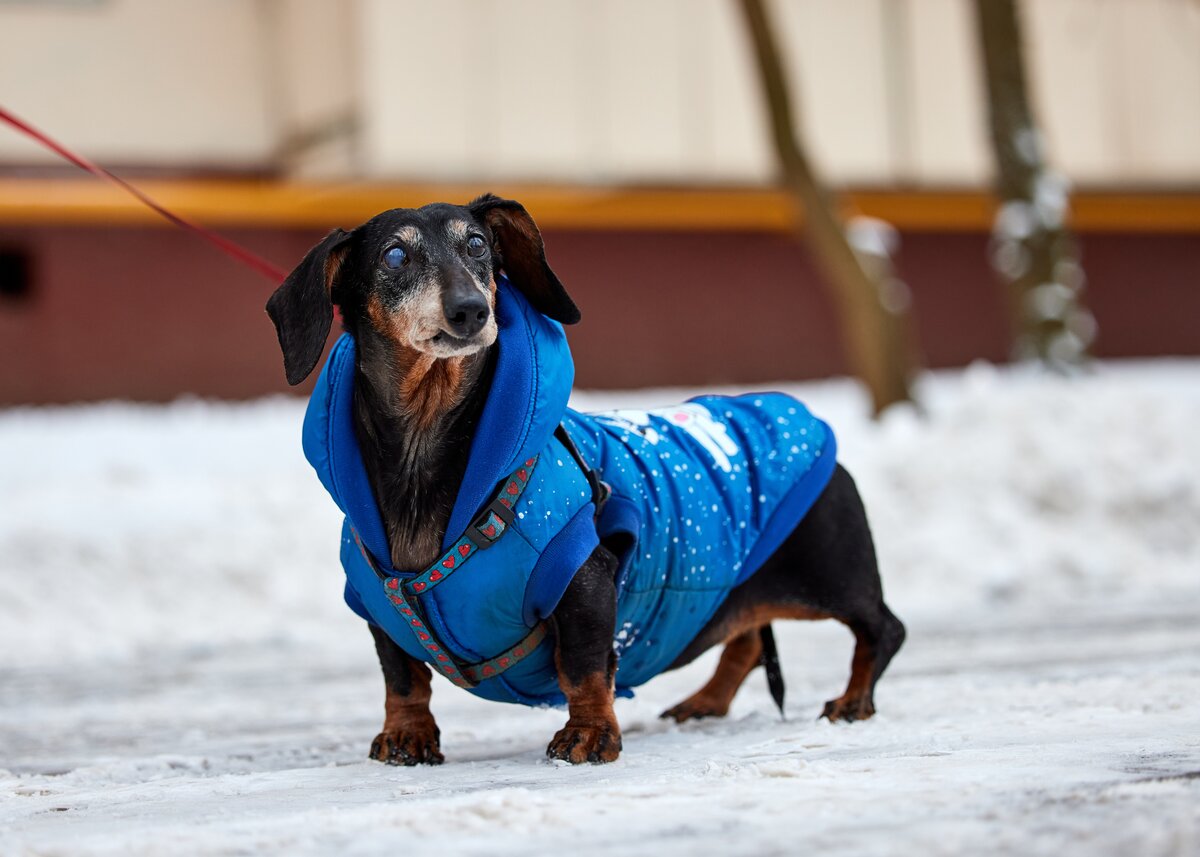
[178, 674]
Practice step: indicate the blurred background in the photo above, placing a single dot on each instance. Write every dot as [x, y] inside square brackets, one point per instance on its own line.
[829, 197]
[636, 135]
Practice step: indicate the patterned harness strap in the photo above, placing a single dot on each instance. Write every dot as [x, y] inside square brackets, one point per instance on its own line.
[497, 516]
[485, 532]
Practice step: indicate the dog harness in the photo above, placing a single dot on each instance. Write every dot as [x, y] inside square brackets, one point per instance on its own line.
[695, 498]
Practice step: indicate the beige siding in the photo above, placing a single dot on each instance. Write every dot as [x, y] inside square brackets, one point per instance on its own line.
[151, 81]
[594, 92]
[639, 91]
[402, 62]
[947, 113]
[837, 77]
[739, 149]
[1119, 87]
[655, 123]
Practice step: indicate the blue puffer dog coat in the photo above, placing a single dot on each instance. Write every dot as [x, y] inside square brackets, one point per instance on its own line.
[704, 492]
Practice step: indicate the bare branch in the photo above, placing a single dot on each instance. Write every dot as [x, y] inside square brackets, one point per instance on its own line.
[877, 338]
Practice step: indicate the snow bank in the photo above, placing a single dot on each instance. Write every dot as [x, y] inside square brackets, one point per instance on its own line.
[177, 674]
[125, 528]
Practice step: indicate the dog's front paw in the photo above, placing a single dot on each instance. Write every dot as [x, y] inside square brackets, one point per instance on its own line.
[586, 743]
[412, 746]
[848, 708]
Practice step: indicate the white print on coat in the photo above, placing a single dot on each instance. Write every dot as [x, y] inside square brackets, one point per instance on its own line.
[694, 419]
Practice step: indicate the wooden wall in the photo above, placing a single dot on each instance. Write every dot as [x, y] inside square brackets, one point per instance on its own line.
[150, 313]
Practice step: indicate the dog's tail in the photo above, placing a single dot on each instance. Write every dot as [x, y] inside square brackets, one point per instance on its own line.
[770, 662]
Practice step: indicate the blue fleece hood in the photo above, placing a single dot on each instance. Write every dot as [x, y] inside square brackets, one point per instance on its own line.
[532, 383]
[701, 494]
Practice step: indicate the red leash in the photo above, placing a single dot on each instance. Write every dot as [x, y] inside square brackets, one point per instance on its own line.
[235, 251]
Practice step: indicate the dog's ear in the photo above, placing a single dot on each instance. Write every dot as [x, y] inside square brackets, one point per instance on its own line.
[302, 308]
[523, 256]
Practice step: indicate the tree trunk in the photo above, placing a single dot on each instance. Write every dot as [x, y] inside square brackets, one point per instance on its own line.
[1032, 250]
[875, 330]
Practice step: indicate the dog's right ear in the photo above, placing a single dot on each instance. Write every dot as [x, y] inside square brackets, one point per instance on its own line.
[302, 308]
[523, 256]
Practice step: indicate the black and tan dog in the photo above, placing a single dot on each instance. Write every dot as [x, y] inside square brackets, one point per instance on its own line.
[417, 291]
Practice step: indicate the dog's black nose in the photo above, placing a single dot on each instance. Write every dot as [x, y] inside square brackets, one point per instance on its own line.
[466, 314]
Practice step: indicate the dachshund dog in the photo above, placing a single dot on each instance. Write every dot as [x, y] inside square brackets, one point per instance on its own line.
[418, 294]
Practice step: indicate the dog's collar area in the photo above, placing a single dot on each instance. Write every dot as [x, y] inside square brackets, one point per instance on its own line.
[488, 528]
[525, 403]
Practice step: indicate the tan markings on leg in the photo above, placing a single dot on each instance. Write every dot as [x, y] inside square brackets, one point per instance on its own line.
[401, 711]
[857, 703]
[410, 735]
[740, 657]
[743, 647]
[592, 733]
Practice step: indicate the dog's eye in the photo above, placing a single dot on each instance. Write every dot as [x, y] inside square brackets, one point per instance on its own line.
[476, 246]
[395, 257]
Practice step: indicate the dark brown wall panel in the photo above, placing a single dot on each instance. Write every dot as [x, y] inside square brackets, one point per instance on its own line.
[152, 313]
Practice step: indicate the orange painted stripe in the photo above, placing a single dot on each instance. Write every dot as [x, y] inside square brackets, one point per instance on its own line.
[280, 205]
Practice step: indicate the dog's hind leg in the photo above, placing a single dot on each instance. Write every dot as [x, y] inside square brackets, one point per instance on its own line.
[739, 624]
[826, 569]
[740, 657]
[876, 640]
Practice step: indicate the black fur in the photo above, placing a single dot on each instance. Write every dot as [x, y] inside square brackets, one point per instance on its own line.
[826, 568]
[585, 619]
[302, 307]
[396, 665]
[414, 473]
[826, 564]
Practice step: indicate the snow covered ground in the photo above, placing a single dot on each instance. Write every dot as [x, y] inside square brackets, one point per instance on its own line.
[178, 675]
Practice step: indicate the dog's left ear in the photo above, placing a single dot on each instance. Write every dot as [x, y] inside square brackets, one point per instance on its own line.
[523, 256]
[302, 308]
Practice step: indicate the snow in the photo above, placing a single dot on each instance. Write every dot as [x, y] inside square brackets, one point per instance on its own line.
[1048, 301]
[1022, 223]
[1028, 143]
[1051, 193]
[872, 236]
[178, 674]
[1014, 222]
